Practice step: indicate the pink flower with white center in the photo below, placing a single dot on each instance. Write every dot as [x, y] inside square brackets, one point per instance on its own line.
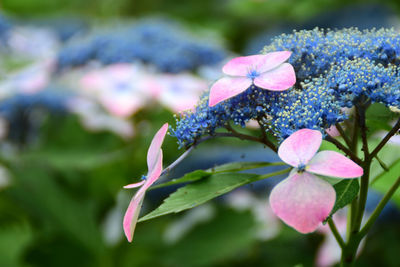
[264, 71]
[154, 165]
[180, 92]
[120, 88]
[303, 200]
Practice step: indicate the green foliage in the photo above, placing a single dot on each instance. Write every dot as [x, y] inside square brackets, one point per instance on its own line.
[230, 233]
[386, 179]
[378, 117]
[197, 193]
[229, 167]
[346, 191]
[56, 209]
[14, 239]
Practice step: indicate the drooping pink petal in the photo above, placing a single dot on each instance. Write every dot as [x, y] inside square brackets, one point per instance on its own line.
[331, 163]
[134, 185]
[132, 214]
[278, 79]
[227, 87]
[155, 172]
[300, 147]
[240, 66]
[303, 201]
[155, 147]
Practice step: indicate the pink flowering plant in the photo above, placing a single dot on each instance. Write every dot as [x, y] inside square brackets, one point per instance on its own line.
[294, 109]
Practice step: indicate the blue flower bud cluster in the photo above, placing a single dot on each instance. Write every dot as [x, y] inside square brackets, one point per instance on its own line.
[19, 111]
[158, 42]
[334, 69]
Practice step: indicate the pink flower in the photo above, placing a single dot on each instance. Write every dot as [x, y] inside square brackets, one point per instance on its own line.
[265, 71]
[303, 200]
[154, 165]
[180, 92]
[120, 88]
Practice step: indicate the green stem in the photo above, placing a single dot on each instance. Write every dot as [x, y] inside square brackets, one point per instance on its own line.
[343, 134]
[392, 132]
[264, 141]
[360, 117]
[379, 208]
[347, 151]
[336, 234]
[272, 174]
[362, 198]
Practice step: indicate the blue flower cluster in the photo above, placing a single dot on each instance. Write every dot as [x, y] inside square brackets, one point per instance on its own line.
[334, 69]
[158, 42]
[19, 110]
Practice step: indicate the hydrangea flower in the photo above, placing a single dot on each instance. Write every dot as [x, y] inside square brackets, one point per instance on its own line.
[303, 200]
[179, 92]
[121, 88]
[266, 71]
[154, 165]
[331, 74]
[162, 43]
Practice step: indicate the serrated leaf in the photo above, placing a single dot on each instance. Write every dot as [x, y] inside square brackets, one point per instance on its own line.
[242, 166]
[189, 177]
[229, 167]
[197, 193]
[346, 191]
[384, 181]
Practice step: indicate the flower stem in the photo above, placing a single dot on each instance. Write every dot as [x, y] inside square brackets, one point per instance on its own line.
[264, 141]
[379, 208]
[178, 160]
[272, 174]
[336, 234]
[392, 132]
[343, 135]
[347, 151]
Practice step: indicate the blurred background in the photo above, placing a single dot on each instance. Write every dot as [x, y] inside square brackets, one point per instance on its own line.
[84, 85]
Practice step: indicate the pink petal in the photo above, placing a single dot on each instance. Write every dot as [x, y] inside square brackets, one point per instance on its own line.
[155, 172]
[278, 79]
[240, 66]
[227, 87]
[331, 163]
[303, 201]
[155, 147]
[134, 185]
[132, 214]
[300, 147]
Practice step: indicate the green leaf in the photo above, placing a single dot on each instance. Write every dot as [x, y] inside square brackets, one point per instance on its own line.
[197, 193]
[346, 191]
[378, 117]
[229, 167]
[385, 180]
[189, 177]
[242, 166]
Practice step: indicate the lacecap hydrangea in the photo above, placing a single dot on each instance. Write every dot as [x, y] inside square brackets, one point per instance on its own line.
[335, 69]
[160, 42]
